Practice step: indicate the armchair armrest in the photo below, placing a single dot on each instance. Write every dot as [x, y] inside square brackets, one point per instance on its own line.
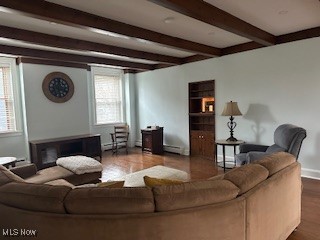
[25, 171]
[247, 147]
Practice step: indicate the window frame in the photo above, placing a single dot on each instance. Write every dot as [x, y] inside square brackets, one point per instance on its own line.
[108, 72]
[16, 96]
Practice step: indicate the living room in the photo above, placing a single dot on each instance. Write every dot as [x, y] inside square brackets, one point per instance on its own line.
[272, 85]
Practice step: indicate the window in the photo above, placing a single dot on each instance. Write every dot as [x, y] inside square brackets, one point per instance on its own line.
[8, 116]
[108, 96]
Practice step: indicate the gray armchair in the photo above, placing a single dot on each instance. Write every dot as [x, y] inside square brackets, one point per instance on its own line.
[287, 138]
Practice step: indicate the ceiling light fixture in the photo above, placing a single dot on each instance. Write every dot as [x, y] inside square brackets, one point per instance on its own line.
[168, 20]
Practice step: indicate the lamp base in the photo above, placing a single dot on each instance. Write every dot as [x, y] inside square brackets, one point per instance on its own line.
[232, 139]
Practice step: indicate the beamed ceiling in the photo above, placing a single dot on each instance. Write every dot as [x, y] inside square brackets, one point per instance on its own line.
[142, 35]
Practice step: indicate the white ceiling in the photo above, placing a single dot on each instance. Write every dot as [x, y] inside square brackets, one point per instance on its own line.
[274, 16]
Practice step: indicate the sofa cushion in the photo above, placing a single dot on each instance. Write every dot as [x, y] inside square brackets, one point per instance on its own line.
[25, 171]
[193, 194]
[247, 176]
[217, 177]
[277, 161]
[7, 176]
[109, 201]
[60, 182]
[152, 182]
[34, 197]
[49, 174]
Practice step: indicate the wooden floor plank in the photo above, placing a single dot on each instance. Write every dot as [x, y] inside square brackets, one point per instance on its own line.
[200, 168]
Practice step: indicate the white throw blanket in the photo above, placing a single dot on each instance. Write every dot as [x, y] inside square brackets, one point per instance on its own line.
[136, 179]
[80, 164]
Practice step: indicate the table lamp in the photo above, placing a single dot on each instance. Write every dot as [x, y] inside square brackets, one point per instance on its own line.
[231, 109]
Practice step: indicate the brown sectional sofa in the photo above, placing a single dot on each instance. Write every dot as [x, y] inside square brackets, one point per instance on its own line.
[255, 202]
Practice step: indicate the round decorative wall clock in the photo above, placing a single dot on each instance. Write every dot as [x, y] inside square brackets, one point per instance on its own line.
[58, 87]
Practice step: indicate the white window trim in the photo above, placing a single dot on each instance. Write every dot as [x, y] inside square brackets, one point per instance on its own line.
[107, 71]
[16, 96]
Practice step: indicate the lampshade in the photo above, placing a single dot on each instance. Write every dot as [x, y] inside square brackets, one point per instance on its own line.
[231, 109]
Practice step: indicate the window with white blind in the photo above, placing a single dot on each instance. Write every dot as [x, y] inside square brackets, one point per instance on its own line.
[8, 118]
[108, 96]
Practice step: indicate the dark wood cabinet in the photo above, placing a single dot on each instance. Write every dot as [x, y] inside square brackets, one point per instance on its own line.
[202, 118]
[202, 143]
[44, 153]
[152, 140]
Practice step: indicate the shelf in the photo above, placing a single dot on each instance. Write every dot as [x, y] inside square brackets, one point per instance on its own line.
[202, 90]
[202, 121]
[205, 114]
[200, 98]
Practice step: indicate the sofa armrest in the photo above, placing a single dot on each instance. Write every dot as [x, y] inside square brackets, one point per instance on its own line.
[247, 147]
[25, 171]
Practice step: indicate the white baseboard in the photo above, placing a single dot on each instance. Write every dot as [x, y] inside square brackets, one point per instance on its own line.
[106, 146]
[228, 158]
[171, 149]
[138, 144]
[310, 173]
[229, 161]
[305, 172]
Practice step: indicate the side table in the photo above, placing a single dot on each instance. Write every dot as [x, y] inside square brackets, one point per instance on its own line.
[225, 143]
[152, 140]
[7, 161]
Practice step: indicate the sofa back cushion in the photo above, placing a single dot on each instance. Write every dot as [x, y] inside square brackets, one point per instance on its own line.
[7, 176]
[193, 194]
[247, 176]
[34, 197]
[276, 162]
[109, 201]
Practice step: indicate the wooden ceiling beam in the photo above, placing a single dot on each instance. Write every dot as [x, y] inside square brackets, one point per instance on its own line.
[241, 48]
[300, 35]
[67, 57]
[74, 44]
[52, 62]
[194, 58]
[285, 38]
[214, 16]
[68, 16]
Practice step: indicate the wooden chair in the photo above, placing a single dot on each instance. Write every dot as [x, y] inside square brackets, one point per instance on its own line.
[120, 138]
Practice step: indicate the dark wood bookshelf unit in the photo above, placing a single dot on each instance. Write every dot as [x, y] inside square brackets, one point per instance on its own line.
[202, 118]
[45, 152]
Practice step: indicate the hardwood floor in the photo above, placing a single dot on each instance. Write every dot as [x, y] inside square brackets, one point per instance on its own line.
[199, 168]
[309, 228]
[118, 165]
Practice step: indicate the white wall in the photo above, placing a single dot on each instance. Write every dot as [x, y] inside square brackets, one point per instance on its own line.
[46, 119]
[272, 86]
[129, 86]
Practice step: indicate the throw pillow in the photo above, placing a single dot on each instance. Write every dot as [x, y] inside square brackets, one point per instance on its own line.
[152, 182]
